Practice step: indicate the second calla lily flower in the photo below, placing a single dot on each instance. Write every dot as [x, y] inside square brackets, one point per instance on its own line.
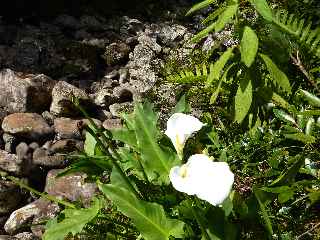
[200, 176]
[180, 127]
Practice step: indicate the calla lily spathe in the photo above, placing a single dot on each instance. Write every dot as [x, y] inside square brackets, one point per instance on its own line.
[200, 176]
[180, 127]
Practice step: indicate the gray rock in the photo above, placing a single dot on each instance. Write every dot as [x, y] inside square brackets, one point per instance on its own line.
[67, 128]
[26, 125]
[126, 93]
[123, 75]
[116, 53]
[10, 197]
[10, 142]
[26, 214]
[66, 146]
[43, 157]
[113, 123]
[49, 117]
[11, 163]
[149, 42]
[26, 236]
[143, 65]
[72, 186]
[24, 154]
[62, 94]
[104, 97]
[131, 26]
[24, 93]
[171, 34]
[118, 108]
[34, 145]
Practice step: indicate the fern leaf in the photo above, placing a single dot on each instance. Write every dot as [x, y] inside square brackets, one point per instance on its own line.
[190, 75]
[299, 29]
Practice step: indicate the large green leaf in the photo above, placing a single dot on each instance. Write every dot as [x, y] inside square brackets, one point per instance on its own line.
[282, 115]
[149, 218]
[312, 99]
[263, 8]
[217, 67]
[74, 221]
[126, 136]
[249, 46]
[200, 5]
[243, 98]
[225, 17]
[156, 161]
[90, 144]
[277, 75]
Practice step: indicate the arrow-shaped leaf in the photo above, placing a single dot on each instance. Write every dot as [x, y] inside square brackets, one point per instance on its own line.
[149, 218]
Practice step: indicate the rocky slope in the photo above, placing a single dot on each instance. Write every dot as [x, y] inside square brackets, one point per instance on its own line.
[107, 62]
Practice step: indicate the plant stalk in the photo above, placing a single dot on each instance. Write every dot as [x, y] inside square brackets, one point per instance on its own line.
[197, 217]
[44, 195]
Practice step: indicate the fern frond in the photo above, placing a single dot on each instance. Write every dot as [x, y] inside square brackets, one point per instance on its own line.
[301, 30]
[196, 75]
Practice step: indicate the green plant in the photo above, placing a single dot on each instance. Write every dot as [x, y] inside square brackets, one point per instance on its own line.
[250, 70]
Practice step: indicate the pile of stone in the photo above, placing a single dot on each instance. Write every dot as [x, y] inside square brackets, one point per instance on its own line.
[40, 126]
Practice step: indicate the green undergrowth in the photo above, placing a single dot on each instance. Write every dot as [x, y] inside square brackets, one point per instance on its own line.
[258, 100]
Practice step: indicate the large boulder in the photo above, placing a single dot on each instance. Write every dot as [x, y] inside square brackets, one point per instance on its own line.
[26, 125]
[72, 186]
[25, 92]
[62, 95]
[12, 164]
[22, 216]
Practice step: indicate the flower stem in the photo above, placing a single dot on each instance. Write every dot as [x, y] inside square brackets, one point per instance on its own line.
[44, 195]
[105, 150]
[198, 219]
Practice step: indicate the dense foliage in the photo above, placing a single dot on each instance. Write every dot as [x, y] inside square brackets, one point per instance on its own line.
[263, 121]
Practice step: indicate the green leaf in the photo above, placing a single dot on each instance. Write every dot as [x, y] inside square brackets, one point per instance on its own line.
[243, 99]
[225, 17]
[199, 6]
[149, 218]
[263, 8]
[249, 46]
[217, 67]
[130, 161]
[213, 15]
[218, 88]
[285, 193]
[314, 196]
[265, 215]
[307, 139]
[182, 106]
[284, 116]
[204, 33]
[89, 144]
[74, 221]
[126, 136]
[156, 161]
[312, 99]
[277, 75]
[289, 174]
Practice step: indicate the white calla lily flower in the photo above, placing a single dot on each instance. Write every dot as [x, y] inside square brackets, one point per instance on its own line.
[200, 176]
[180, 127]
